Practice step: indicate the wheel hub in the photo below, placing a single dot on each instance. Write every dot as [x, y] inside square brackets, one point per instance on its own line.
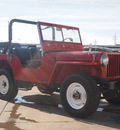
[77, 95]
[4, 84]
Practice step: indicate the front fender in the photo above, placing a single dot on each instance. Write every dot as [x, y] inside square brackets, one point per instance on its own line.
[62, 69]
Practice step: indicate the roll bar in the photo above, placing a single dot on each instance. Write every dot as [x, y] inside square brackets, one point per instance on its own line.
[10, 31]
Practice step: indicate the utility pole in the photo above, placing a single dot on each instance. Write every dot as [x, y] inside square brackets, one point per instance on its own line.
[115, 39]
[95, 42]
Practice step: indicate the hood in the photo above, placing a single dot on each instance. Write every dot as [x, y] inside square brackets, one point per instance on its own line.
[75, 56]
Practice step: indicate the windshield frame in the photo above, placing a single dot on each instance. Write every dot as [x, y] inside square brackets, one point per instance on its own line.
[62, 27]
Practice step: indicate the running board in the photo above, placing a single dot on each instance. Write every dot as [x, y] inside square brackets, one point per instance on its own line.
[24, 89]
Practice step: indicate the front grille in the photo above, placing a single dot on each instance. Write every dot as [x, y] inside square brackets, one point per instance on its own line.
[113, 69]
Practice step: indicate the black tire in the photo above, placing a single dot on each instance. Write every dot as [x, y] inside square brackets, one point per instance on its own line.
[114, 101]
[8, 90]
[85, 92]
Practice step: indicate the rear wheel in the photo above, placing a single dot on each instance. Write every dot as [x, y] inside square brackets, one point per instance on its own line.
[7, 88]
[79, 95]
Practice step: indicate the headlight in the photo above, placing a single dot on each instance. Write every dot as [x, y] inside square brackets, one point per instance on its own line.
[104, 59]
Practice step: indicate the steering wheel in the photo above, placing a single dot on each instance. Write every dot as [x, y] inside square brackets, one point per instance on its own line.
[69, 38]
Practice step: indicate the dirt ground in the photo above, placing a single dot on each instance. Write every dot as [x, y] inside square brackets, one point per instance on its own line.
[31, 110]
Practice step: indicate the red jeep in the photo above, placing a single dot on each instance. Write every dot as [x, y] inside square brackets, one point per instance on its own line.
[59, 64]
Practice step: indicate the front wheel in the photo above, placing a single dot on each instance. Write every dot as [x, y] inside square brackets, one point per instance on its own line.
[8, 90]
[79, 95]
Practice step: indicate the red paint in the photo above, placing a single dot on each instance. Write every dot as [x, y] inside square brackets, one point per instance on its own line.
[61, 59]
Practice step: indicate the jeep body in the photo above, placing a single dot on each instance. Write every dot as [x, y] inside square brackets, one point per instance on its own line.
[59, 64]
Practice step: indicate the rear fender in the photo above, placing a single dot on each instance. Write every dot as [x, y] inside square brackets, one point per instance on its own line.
[13, 65]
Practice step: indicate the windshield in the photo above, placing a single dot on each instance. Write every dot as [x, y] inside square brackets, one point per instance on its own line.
[60, 34]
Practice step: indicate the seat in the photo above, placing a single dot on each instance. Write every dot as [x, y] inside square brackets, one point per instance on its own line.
[23, 54]
[35, 52]
[36, 57]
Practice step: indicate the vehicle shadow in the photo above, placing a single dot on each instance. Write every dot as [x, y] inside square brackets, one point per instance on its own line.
[52, 104]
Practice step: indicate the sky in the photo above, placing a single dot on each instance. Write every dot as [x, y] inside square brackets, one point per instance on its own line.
[98, 20]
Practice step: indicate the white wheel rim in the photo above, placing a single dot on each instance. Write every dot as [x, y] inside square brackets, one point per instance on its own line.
[76, 95]
[4, 84]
